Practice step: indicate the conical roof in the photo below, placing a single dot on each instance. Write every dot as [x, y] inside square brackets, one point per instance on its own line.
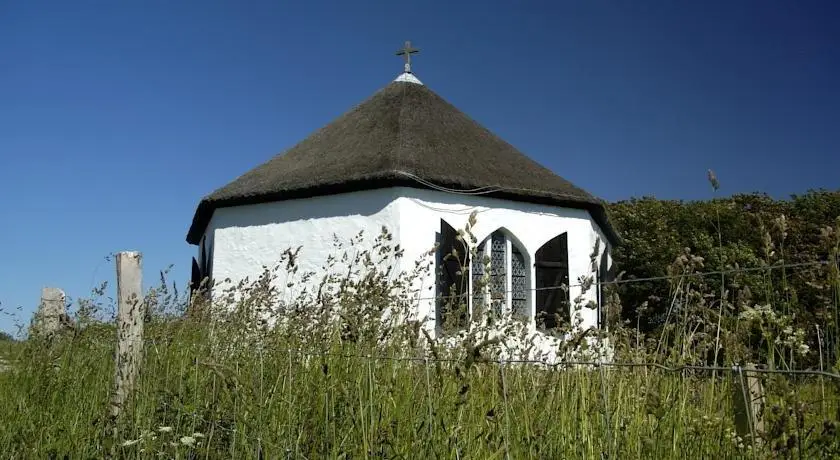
[403, 135]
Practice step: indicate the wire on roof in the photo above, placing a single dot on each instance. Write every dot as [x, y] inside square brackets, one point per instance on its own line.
[484, 190]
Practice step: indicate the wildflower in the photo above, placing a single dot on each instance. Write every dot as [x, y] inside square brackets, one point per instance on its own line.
[188, 441]
[130, 442]
[165, 429]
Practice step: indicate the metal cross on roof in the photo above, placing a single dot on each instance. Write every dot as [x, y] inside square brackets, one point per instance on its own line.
[407, 51]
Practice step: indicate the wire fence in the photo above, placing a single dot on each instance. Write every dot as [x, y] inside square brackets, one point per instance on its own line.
[151, 343]
[633, 280]
[598, 283]
[749, 392]
[803, 265]
[736, 368]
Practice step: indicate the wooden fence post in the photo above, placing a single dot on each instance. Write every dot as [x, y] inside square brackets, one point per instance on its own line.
[755, 390]
[130, 316]
[749, 404]
[50, 312]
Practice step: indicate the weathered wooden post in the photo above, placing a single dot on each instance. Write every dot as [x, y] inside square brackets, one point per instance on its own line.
[50, 312]
[749, 404]
[130, 315]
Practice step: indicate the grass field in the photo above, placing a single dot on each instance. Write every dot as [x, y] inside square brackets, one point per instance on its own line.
[195, 401]
[340, 379]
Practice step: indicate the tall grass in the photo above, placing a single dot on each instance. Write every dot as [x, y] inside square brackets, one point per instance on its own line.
[348, 372]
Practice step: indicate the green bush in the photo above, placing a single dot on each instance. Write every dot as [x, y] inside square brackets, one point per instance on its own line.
[751, 237]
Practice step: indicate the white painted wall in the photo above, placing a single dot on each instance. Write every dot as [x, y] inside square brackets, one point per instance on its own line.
[247, 238]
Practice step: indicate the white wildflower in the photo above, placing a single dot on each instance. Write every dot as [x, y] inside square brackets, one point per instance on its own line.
[165, 429]
[188, 441]
[130, 442]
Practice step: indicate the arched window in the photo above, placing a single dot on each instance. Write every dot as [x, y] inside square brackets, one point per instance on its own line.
[552, 271]
[453, 261]
[505, 288]
[519, 285]
[481, 262]
[498, 271]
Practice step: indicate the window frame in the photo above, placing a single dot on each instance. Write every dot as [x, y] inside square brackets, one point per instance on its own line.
[443, 310]
[532, 269]
[506, 305]
[559, 244]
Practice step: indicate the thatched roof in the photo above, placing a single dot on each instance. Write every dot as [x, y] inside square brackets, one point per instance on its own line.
[403, 135]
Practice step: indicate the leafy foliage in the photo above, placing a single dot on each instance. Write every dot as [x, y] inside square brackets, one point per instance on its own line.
[748, 231]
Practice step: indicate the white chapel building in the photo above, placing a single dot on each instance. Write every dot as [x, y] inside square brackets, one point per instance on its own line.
[407, 160]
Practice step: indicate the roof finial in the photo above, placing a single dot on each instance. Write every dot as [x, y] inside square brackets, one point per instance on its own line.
[407, 51]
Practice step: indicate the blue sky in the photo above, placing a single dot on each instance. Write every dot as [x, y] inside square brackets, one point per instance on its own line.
[117, 117]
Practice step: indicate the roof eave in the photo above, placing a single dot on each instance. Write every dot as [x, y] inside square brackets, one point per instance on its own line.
[207, 206]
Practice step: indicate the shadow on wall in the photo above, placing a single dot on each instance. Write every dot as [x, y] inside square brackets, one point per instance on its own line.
[363, 204]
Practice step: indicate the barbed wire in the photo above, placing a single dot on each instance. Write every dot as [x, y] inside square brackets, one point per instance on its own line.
[618, 282]
[645, 279]
[658, 278]
[735, 368]
[719, 272]
[429, 359]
